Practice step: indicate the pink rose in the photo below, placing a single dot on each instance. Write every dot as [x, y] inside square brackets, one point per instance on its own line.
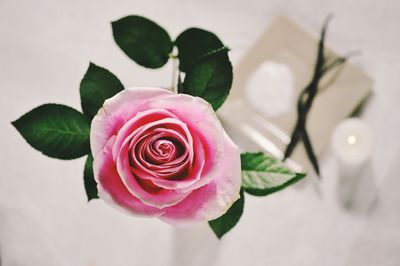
[165, 155]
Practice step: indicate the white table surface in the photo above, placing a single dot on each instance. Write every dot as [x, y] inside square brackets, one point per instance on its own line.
[45, 48]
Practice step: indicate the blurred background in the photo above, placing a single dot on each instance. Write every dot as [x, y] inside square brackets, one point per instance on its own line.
[45, 48]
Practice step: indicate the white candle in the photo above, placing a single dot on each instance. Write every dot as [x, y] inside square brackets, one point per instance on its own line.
[352, 143]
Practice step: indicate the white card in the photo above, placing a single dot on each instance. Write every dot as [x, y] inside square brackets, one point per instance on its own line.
[261, 109]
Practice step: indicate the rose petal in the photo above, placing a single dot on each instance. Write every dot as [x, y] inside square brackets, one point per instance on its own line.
[164, 197]
[214, 199]
[203, 123]
[138, 125]
[191, 178]
[185, 172]
[117, 110]
[140, 151]
[112, 190]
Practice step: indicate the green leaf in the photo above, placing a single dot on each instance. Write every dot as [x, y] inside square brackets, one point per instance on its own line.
[97, 85]
[210, 78]
[192, 44]
[226, 222]
[263, 175]
[143, 41]
[56, 130]
[88, 177]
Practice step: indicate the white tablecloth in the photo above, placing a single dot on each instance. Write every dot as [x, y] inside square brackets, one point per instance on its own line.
[45, 48]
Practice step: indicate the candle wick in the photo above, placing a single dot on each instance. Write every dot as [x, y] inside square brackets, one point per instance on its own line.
[352, 139]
